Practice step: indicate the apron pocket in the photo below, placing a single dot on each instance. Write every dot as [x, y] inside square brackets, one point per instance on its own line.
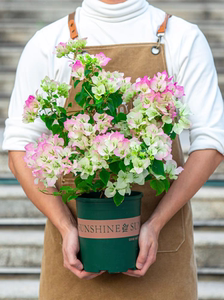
[172, 236]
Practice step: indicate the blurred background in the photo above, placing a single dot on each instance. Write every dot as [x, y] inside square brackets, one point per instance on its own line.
[22, 225]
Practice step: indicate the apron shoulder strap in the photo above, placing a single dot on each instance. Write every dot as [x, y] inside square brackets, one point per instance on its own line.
[162, 29]
[72, 26]
[74, 33]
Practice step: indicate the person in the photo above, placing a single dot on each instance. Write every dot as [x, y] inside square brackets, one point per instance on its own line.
[166, 263]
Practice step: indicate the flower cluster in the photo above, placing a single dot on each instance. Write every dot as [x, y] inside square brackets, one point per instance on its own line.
[64, 49]
[35, 104]
[49, 159]
[106, 83]
[157, 101]
[31, 109]
[123, 149]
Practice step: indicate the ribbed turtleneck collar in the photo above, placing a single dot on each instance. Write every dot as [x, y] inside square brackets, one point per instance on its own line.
[114, 12]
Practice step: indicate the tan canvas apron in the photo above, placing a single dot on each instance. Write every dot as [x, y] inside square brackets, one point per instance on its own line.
[173, 276]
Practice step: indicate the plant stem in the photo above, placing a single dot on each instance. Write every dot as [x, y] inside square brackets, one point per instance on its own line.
[88, 93]
[101, 195]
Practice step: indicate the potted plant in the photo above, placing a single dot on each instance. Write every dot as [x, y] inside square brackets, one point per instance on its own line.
[105, 150]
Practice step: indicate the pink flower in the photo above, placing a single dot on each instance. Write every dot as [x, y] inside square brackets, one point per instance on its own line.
[101, 127]
[31, 109]
[61, 50]
[179, 93]
[102, 117]
[123, 148]
[147, 99]
[143, 84]
[78, 70]
[103, 60]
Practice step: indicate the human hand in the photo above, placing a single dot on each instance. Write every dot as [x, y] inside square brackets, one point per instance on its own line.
[70, 249]
[148, 244]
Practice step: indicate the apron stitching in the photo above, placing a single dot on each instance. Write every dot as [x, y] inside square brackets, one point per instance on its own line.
[184, 235]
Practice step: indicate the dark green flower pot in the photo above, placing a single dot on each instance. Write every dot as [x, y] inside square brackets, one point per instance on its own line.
[108, 234]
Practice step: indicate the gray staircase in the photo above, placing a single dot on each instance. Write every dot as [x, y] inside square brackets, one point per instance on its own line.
[22, 225]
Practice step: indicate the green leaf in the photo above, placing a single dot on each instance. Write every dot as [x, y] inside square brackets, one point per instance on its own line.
[118, 199]
[91, 120]
[167, 128]
[78, 98]
[49, 122]
[112, 108]
[56, 129]
[56, 193]
[83, 186]
[148, 177]
[158, 186]
[117, 99]
[87, 72]
[78, 180]
[65, 197]
[121, 117]
[122, 166]
[89, 180]
[97, 185]
[70, 104]
[114, 167]
[158, 167]
[43, 117]
[166, 183]
[66, 188]
[74, 196]
[173, 135]
[104, 176]
[76, 83]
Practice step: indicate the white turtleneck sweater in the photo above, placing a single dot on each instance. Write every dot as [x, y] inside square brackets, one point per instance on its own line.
[188, 56]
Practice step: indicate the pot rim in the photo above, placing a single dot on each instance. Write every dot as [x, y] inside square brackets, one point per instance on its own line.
[135, 195]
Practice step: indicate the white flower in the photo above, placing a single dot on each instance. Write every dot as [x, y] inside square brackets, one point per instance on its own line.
[110, 191]
[140, 165]
[152, 113]
[121, 187]
[99, 90]
[125, 177]
[171, 169]
[139, 178]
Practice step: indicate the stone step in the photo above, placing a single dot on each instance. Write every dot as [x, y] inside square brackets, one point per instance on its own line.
[203, 273]
[207, 205]
[39, 222]
[9, 57]
[213, 290]
[7, 82]
[4, 105]
[44, 11]
[21, 247]
[209, 248]
[20, 33]
[25, 288]
[15, 204]
[14, 288]
[6, 173]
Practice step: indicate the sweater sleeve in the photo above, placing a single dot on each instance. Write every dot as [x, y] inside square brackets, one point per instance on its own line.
[198, 75]
[32, 68]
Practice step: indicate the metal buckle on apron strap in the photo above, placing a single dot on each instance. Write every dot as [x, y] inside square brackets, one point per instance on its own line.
[160, 33]
[156, 49]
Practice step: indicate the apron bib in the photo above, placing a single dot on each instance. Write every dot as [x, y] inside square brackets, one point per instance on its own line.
[174, 274]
